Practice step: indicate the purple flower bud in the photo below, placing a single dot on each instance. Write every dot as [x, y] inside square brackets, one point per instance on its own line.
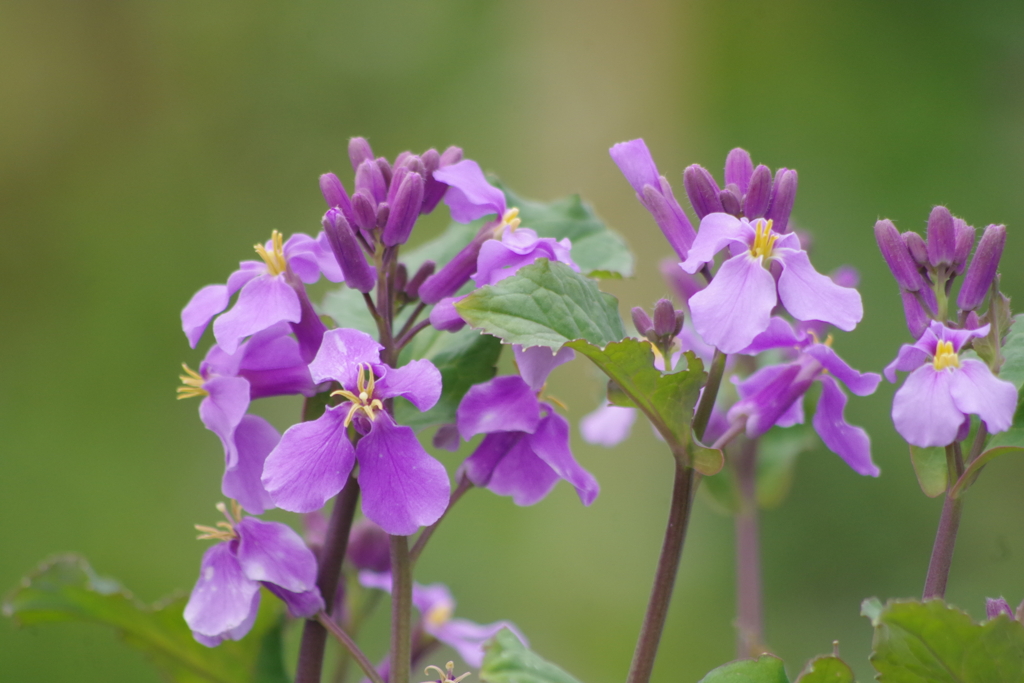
[334, 193]
[917, 319]
[369, 548]
[364, 210]
[401, 277]
[642, 321]
[370, 178]
[385, 170]
[983, 268]
[359, 151]
[738, 170]
[359, 275]
[941, 237]
[670, 217]
[964, 242]
[972, 321]
[664, 318]
[433, 190]
[408, 200]
[781, 203]
[383, 211]
[680, 319]
[414, 164]
[412, 290]
[702, 190]
[730, 199]
[759, 193]
[897, 256]
[918, 249]
[452, 155]
[996, 606]
[447, 437]
[456, 272]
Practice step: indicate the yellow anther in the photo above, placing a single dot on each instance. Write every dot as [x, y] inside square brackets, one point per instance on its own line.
[275, 260]
[828, 340]
[447, 676]
[510, 220]
[945, 356]
[363, 401]
[764, 239]
[192, 384]
[223, 531]
[439, 615]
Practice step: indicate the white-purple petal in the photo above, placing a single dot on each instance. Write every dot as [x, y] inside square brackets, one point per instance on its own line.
[254, 438]
[200, 310]
[809, 295]
[635, 161]
[341, 354]
[247, 270]
[311, 463]
[479, 466]
[909, 358]
[850, 443]
[537, 362]
[518, 472]
[223, 598]
[860, 383]
[608, 426]
[300, 605]
[499, 259]
[503, 404]
[977, 391]
[923, 410]
[468, 638]
[716, 231]
[419, 381]
[403, 487]
[778, 335]
[551, 444]
[274, 553]
[222, 410]
[736, 306]
[302, 254]
[469, 195]
[262, 302]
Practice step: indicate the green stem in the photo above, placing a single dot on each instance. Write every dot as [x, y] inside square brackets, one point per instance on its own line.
[401, 610]
[707, 399]
[749, 620]
[945, 536]
[364, 663]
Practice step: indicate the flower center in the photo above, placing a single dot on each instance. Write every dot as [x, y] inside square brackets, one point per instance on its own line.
[224, 531]
[275, 260]
[510, 220]
[945, 356]
[191, 384]
[764, 239]
[363, 401]
[439, 615]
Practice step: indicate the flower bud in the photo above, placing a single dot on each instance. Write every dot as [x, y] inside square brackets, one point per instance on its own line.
[702, 191]
[738, 169]
[983, 268]
[758, 194]
[642, 321]
[730, 199]
[941, 237]
[664, 318]
[370, 178]
[408, 200]
[456, 272]
[447, 437]
[670, 218]
[897, 256]
[917, 319]
[385, 170]
[369, 547]
[964, 241]
[364, 210]
[401, 277]
[383, 211]
[783, 196]
[433, 190]
[917, 248]
[972, 321]
[334, 193]
[995, 607]
[359, 151]
[359, 275]
[414, 164]
[412, 290]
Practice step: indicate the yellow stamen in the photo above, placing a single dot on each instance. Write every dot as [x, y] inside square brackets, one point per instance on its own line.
[945, 356]
[192, 383]
[439, 615]
[764, 239]
[223, 531]
[275, 260]
[447, 676]
[510, 220]
[363, 401]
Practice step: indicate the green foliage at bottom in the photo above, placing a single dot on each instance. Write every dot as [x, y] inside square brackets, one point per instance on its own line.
[509, 661]
[764, 669]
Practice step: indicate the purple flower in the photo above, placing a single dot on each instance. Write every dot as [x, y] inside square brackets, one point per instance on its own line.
[943, 390]
[403, 487]
[608, 425]
[526, 450]
[226, 598]
[437, 608]
[773, 396]
[737, 305]
[269, 291]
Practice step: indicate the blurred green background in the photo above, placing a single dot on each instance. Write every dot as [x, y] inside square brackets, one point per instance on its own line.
[145, 146]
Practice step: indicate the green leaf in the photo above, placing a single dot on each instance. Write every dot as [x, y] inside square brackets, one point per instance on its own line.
[348, 308]
[596, 249]
[1013, 354]
[508, 661]
[777, 452]
[667, 399]
[764, 669]
[544, 304]
[826, 669]
[931, 469]
[67, 589]
[970, 475]
[464, 358]
[931, 642]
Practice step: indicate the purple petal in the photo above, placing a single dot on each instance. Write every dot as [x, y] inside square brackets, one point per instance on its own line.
[300, 605]
[468, 638]
[469, 195]
[223, 409]
[433, 598]
[479, 466]
[265, 300]
[809, 295]
[635, 161]
[551, 444]
[223, 598]
[848, 442]
[303, 255]
[909, 358]
[537, 362]
[419, 381]
[326, 261]
[515, 470]
[736, 306]
[247, 271]
[341, 353]
[273, 552]
[447, 437]
[608, 425]
[199, 311]
[255, 438]
[716, 231]
[273, 364]
[923, 409]
[958, 338]
[444, 316]
[498, 260]
[503, 404]
[860, 383]
[977, 391]
[403, 487]
[379, 580]
[768, 398]
[996, 606]
[779, 335]
[311, 463]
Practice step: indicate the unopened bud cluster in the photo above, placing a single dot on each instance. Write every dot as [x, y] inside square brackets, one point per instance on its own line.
[664, 328]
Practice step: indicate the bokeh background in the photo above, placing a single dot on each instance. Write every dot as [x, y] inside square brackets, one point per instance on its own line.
[144, 147]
